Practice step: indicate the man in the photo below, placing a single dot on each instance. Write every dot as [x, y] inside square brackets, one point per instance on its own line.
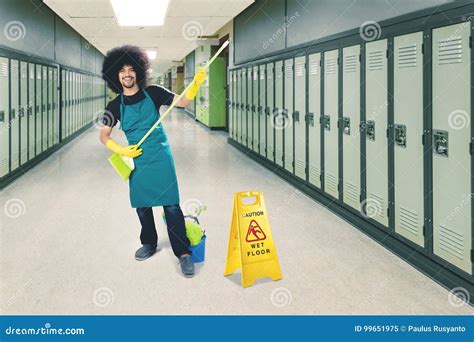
[153, 181]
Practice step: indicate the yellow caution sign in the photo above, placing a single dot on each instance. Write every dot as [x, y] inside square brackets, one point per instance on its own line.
[251, 246]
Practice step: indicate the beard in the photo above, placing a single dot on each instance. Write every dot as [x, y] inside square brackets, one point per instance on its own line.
[129, 84]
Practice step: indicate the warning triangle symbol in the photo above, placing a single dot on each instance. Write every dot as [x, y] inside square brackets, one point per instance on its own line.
[255, 232]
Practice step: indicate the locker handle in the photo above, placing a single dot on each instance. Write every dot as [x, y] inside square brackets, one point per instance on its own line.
[259, 108]
[267, 110]
[13, 113]
[296, 116]
[2, 116]
[311, 119]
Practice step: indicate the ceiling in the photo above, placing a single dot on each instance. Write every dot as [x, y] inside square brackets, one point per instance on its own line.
[185, 20]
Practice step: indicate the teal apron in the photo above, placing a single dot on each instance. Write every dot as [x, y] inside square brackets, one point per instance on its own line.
[153, 181]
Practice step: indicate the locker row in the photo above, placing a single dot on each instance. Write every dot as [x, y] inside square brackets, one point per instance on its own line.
[361, 124]
[30, 121]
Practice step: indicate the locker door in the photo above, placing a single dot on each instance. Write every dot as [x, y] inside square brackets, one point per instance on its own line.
[261, 111]
[14, 114]
[44, 108]
[23, 112]
[74, 102]
[50, 108]
[278, 113]
[238, 119]
[255, 112]
[243, 124]
[314, 116]
[56, 104]
[408, 131]
[39, 108]
[236, 104]
[31, 110]
[330, 119]
[4, 118]
[452, 221]
[300, 117]
[350, 126]
[289, 117]
[269, 111]
[249, 108]
[62, 104]
[376, 203]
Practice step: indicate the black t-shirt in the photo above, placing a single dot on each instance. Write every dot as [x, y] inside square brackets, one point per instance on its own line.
[159, 95]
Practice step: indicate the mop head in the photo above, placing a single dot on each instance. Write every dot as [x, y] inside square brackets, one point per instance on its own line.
[193, 230]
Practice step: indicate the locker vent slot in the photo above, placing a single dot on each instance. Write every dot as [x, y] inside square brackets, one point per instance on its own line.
[407, 56]
[375, 206]
[350, 191]
[4, 69]
[330, 66]
[450, 51]
[14, 67]
[299, 166]
[314, 172]
[376, 60]
[262, 75]
[255, 75]
[279, 72]
[451, 242]
[350, 63]
[288, 70]
[331, 183]
[409, 220]
[314, 67]
[299, 69]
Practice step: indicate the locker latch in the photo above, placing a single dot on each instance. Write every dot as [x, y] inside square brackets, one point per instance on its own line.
[401, 135]
[327, 122]
[311, 119]
[2, 116]
[346, 125]
[259, 109]
[296, 116]
[370, 130]
[267, 110]
[440, 142]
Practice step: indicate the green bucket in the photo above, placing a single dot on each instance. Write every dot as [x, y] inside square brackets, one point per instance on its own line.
[123, 165]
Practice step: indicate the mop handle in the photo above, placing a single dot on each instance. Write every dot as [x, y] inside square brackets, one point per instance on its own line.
[182, 94]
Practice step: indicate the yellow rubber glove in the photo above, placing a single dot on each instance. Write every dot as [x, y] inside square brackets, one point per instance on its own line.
[129, 151]
[199, 78]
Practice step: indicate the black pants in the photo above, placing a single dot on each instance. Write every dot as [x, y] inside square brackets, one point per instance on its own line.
[176, 228]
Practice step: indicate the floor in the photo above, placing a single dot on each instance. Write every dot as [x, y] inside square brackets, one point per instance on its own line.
[67, 244]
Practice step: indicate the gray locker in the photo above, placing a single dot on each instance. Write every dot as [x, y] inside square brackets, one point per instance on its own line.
[278, 119]
[56, 104]
[236, 105]
[63, 103]
[14, 114]
[231, 104]
[4, 118]
[300, 118]
[243, 125]
[255, 113]
[23, 112]
[376, 203]
[31, 111]
[239, 106]
[38, 109]
[249, 122]
[44, 109]
[50, 108]
[314, 116]
[261, 111]
[452, 220]
[269, 112]
[330, 120]
[407, 133]
[350, 126]
[288, 118]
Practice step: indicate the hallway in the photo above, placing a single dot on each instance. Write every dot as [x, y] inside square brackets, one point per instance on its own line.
[68, 237]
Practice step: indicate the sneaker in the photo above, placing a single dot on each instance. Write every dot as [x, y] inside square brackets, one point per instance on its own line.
[144, 252]
[187, 265]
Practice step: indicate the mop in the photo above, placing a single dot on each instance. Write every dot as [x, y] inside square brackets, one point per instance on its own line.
[124, 165]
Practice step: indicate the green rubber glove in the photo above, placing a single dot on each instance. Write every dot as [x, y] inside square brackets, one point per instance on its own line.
[129, 151]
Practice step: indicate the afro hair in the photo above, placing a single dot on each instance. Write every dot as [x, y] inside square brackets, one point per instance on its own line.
[120, 56]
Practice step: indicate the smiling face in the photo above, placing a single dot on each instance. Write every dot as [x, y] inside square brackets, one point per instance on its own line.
[127, 76]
